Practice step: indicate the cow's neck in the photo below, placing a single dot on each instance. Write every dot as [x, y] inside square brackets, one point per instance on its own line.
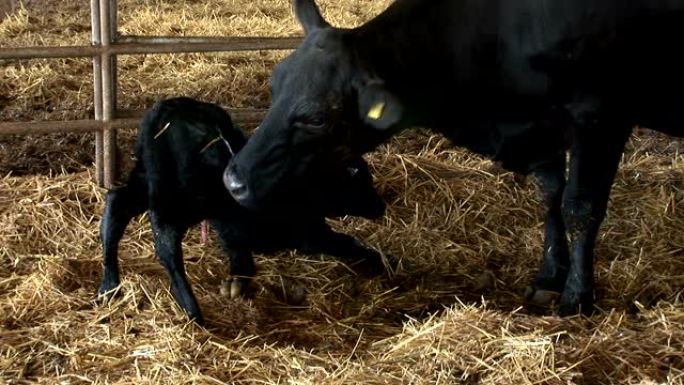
[464, 62]
[454, 55]
[425, 53]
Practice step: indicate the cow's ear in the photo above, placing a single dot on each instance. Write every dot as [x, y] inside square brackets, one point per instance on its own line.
[378, 107]
[309, 15]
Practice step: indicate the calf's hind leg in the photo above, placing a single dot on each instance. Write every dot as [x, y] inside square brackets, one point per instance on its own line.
[167, 244]
[324, 240]
[122, 205]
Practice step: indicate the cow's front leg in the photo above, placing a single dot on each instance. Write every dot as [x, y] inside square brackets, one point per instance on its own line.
[594, 158]
[550, 279]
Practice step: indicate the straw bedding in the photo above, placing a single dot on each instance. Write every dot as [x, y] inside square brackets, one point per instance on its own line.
[468, 237]
[468, 241]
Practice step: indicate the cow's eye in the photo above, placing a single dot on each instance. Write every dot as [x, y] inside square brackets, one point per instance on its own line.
[311, 125]
[309, 132]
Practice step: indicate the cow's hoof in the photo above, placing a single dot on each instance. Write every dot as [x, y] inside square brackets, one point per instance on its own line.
[237, 289]
[197, 318]
[574, 303]
[540, 297]
[106, 291]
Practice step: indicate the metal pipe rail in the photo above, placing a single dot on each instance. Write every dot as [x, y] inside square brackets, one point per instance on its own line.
[106, 45]
[127, 45]
[127, 119]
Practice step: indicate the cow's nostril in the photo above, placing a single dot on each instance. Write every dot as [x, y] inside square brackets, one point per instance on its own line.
[235, 186]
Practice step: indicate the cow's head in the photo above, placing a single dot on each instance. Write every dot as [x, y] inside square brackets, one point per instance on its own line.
[326, 106]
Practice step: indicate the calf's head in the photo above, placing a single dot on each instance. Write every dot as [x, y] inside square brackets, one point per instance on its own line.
[327, 106]
[327, 190]
[345, 190]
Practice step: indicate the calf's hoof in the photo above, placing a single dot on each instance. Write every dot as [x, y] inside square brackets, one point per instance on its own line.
[484, 282]
[371, 267]
[290, 291]
[236, 287]
[392, 263]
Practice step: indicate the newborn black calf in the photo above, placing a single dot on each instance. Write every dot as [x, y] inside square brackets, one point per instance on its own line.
[183, 148]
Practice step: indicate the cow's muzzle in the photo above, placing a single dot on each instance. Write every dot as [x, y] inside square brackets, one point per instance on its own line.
[237, 187]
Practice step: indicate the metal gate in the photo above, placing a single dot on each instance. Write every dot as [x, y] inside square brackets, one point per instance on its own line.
[106, 45]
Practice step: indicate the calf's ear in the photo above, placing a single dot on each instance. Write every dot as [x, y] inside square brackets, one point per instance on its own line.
[378, 107]
[309, 15]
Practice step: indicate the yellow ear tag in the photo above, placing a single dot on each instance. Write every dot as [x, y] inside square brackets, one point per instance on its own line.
[376, 110]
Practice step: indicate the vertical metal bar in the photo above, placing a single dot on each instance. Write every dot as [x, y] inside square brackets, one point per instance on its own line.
[97, 90]
[109, 136]
[99, 134]
[114, 37]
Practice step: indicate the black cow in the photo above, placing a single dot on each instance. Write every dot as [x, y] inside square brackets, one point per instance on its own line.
[521, 81]
[177, 178]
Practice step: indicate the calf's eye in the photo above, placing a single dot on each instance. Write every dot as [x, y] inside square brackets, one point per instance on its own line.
[352, 171]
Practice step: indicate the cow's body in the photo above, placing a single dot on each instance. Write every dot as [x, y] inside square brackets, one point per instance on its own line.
[476, 70]
[521, 81]
[177, 179]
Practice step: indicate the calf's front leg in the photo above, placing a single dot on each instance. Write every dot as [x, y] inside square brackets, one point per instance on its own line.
[240, 256]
